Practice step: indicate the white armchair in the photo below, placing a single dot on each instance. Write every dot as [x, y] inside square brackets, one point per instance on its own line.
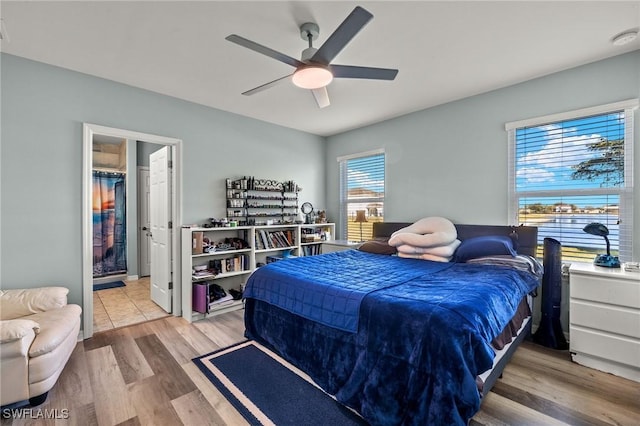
[38, 333]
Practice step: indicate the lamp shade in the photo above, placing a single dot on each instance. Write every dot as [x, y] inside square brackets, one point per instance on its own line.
[360, 216]
[312, 77]
[605, 260]
[596, 228]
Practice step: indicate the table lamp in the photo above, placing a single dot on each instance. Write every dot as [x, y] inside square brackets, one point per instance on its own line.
[360, 218]
[605, 260]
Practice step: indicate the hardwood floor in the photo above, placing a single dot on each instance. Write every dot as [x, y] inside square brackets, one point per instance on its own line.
[143, 375]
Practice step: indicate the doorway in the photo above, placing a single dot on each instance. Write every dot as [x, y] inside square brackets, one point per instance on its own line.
[174, 146]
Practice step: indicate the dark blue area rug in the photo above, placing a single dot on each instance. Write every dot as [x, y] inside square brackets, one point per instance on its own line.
[105, 286]
[266, 389]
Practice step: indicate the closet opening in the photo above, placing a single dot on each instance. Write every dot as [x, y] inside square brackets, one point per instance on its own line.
[109, 211]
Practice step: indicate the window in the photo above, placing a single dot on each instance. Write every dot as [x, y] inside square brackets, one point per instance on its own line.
[572, 169]
[361, 194]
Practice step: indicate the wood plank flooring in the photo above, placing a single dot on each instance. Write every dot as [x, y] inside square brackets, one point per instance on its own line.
[143, 375]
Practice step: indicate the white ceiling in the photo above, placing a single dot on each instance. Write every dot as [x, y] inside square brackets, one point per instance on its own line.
[444, 50]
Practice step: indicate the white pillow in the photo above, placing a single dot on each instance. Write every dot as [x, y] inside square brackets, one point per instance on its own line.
[427, 232]
[443, 251]
[425, 257]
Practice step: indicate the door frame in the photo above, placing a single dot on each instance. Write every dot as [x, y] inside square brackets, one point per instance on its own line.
[88, 131]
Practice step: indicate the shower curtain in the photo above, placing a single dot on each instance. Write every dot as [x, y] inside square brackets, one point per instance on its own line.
[109, 224]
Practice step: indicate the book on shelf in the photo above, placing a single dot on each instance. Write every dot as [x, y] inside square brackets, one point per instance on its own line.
[258, 242]
[312, 250]
[282, 239]
[265, 240]
[237, 263]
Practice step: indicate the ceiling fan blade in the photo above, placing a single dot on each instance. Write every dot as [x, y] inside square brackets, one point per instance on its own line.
[266, 85]
[356, 20]
[348, 71]
[321, 96]
[264, 50]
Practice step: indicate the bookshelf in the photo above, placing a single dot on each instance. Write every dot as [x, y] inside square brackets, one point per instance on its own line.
[229, 266]
[213, 257]
[252, 201]
[313, 235]
[275, 241]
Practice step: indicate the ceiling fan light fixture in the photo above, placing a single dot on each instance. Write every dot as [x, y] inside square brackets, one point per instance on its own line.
[312, 77]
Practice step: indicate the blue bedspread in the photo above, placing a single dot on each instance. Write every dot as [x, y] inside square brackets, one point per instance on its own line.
[306, 285]
[419, 345]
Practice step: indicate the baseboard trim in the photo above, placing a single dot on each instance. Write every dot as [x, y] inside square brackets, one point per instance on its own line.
[110, 278]
[132, 277]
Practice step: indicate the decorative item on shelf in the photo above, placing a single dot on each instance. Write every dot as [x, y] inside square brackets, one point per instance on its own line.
[322, 216]
[605, 260]
[361, 217]
[307, 210]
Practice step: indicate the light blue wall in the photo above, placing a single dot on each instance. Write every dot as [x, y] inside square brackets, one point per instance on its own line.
[451, 160]
[43, 108]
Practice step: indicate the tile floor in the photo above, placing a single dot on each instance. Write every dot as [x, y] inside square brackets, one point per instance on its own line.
[121, 306]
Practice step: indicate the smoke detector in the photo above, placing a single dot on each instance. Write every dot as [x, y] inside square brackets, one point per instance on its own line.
[624, 38]
[3, 31]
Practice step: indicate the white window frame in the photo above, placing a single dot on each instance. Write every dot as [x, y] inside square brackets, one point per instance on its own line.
[625, 192]
[344, 204]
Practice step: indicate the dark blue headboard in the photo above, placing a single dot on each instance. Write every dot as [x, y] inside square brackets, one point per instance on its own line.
[527, 235]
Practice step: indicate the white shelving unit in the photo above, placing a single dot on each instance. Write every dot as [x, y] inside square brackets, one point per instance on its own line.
[229, 277]
[279, 239]
[316, 234]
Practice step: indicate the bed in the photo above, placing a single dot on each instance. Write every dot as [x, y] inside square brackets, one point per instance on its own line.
[400, 341]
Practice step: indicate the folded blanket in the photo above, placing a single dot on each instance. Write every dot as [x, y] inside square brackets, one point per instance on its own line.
[443, 251]
[425, 256]
[427, 232]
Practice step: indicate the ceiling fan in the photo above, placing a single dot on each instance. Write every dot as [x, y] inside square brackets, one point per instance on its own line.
[315, 71]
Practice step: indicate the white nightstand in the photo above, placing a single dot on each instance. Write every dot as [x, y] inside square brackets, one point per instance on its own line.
[339, 245]
[604, 319]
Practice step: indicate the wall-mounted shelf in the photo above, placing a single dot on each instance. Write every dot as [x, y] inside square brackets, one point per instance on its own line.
[257, 202]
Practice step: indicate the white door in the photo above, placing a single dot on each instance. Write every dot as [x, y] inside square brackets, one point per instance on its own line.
[160, 217]
[144, 227]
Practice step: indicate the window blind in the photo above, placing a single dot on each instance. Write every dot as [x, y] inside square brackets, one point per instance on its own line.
[567, 173]
[361, 189]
